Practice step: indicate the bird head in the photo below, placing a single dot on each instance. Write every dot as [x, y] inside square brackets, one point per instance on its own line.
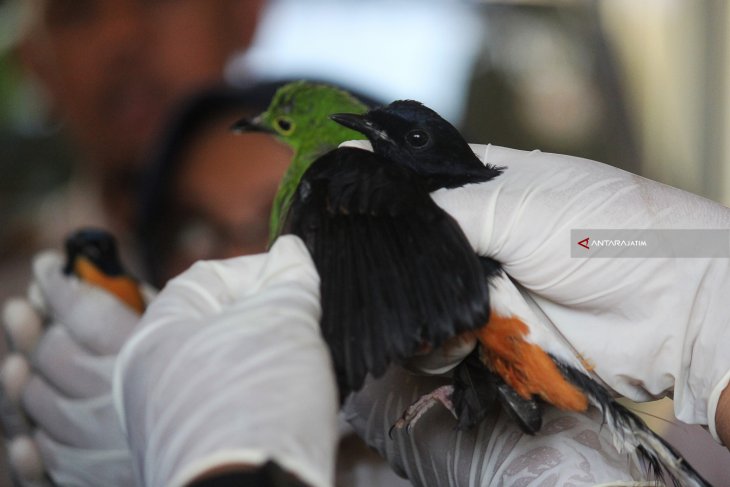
[300, 111]
[97, 246]
[411, 134]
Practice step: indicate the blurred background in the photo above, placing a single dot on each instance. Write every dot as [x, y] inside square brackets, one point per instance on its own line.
[641, 85]
[644, 86]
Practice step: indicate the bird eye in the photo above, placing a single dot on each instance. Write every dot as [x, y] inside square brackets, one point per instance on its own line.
[284, 125]
[417, 138]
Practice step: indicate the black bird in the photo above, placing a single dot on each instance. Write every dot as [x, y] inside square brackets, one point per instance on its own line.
[381, 245]
[528, 366]
[91, 254]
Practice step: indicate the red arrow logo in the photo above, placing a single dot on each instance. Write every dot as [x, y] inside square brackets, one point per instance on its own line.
[584, 243]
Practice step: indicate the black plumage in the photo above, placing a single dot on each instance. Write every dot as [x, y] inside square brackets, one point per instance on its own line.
[415, 137]
[98, 246]
[381, 246]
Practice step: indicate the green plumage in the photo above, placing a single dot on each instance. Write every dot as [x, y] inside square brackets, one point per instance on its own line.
[299, 117]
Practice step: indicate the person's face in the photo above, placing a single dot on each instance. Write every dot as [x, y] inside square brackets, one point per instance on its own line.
[223, 196]
[114, 68]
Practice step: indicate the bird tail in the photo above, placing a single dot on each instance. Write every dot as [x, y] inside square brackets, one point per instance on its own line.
[631, 435]
[478, 390]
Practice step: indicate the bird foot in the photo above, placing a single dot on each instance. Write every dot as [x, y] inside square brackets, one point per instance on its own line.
[424, 403]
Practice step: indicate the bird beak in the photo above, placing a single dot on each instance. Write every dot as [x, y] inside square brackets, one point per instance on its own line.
[362, 124]
[250, 125]
[358, 123]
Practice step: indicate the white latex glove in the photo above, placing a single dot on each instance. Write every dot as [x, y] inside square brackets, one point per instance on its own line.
[649, 325]
[62, 377]
[228, 368]
[571, 448]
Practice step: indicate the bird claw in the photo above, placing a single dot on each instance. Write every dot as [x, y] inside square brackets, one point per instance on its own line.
[414, 412]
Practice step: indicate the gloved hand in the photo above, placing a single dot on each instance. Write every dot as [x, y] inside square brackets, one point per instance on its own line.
[228, 369]
[244, 332]
[62, 377]
[571, 449]
[650, 326]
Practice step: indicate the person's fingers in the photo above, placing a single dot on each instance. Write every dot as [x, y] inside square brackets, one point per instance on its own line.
[23, 325]
[53, 290]
[73, 370]
[67, 465]
[14, 376]
[35, 298]
[80, 423]
[25, 460]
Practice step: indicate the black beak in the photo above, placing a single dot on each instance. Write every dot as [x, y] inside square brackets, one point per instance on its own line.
[362, 124]
[358, 123]
[250, 125]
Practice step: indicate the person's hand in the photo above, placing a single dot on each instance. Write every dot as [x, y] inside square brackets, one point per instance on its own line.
[60, 377]
[650, 326]
[571, 449]
[228, 371]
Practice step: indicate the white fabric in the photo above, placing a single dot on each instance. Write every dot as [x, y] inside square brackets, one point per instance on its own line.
[650, 326]
[228, 366]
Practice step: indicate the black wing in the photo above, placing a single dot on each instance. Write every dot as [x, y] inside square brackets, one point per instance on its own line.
[396, 271]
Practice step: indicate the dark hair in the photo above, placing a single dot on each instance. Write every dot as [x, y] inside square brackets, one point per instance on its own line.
[195, 114]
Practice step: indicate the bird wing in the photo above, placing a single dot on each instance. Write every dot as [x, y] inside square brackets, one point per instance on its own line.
[397, 273]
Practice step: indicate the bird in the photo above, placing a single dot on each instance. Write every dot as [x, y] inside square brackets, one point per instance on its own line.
[398, 277]
[363, 220]
[92, 256]
[298, 116]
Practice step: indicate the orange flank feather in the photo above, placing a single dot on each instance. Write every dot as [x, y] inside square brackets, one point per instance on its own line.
[123, 287]
[525, 366]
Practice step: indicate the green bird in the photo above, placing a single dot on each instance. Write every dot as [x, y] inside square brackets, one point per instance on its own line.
[299, 116]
